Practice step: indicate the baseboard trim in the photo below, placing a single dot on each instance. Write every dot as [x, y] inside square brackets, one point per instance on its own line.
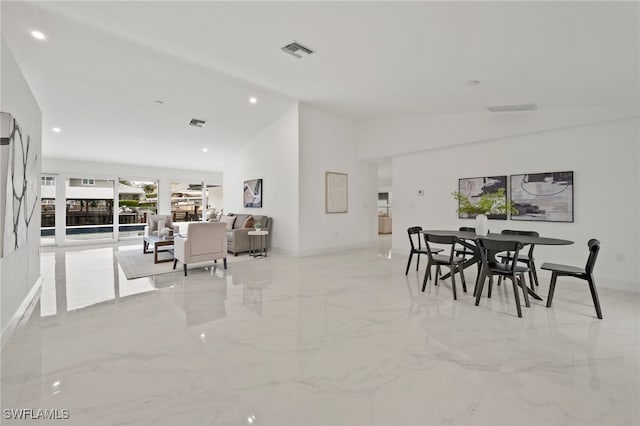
[24, 311]
[328, 250]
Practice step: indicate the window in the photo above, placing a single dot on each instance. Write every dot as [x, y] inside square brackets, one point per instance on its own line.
[48, 181]
[88, 182]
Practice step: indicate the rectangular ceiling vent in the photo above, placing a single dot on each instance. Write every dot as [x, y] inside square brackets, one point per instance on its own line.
[297, 50]
[507, 108]
[196, 123]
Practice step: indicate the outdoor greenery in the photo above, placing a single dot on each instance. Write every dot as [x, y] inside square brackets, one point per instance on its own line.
[493, 203]
[129, 203]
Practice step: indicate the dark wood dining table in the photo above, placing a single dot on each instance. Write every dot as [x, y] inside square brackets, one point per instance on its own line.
[467, 239]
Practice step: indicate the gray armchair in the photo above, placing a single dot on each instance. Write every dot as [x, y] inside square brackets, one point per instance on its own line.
[154, 221]
[204, 242]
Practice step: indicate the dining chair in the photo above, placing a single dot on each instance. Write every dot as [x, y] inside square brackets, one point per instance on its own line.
[434, 259]
[490, 267]
[416, 246]
[464, 251]
[528, 258]
[585, 273]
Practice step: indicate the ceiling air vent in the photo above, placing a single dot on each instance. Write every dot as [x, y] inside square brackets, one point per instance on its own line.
[507, 108]
[297, 50]
[196, 123]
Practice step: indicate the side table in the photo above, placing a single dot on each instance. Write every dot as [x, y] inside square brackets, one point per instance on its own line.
[256, 237]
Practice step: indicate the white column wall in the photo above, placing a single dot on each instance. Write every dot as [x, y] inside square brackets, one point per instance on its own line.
[273, 157]
[20, 269]
[328, 143]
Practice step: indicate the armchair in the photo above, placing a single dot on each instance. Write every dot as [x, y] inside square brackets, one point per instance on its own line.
[153, 223]
[204, 242]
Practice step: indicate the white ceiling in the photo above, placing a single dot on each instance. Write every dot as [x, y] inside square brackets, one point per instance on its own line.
[104, 63]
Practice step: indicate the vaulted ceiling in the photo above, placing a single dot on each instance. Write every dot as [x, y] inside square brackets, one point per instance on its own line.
[103, 64]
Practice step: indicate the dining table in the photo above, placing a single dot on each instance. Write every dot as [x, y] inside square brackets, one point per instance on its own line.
[467, 239]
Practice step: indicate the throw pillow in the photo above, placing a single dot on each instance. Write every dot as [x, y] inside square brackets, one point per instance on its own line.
[248, 222]
[229, 221]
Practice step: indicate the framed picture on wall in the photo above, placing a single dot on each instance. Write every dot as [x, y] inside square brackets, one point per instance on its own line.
[336, 192]
[252, 193]
[546, 197]
[475, 188]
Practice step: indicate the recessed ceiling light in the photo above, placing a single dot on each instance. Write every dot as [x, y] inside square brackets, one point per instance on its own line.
[472, 83]
[205, 149]
[56, 129]
[38, 35]
[253, 100]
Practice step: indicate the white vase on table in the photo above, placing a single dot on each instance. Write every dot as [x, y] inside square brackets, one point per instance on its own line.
[482, 225]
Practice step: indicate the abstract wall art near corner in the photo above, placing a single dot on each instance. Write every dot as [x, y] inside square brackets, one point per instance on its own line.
[336, 192]
[546, 197]
[252, 193]
[475, 188]
[19, 180]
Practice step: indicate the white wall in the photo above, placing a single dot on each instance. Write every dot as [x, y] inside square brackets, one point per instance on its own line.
[604, 157]
[19, 269]
[328, 143]
[381, 138]
[65, 168]
[273, 157]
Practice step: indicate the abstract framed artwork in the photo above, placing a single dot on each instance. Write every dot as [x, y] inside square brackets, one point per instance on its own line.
[336, 192]
[252, 193]
[474, 188]
[19, 185]
[546, 197]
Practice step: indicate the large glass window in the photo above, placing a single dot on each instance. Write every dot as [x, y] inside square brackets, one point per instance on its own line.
[186, 202]
[89, 209]
[48, 210]
[137, 200]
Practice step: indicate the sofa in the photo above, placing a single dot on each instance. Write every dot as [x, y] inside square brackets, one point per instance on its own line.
[237, 236]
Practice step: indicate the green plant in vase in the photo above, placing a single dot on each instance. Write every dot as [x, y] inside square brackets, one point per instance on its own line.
[257, 226]
[490, 203]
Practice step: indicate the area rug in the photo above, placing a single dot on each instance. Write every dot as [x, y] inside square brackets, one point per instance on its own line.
[135, 264]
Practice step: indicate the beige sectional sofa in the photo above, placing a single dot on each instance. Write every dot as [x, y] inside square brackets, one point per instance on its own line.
[237, 238]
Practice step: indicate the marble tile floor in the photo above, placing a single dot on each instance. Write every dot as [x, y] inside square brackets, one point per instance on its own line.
[339, 339]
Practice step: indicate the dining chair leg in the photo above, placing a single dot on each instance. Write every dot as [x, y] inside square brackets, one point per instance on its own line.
[517, 296]
[426, 276]
[523, 285]
[417, 261]
[552, 288]
[490, 288]
[475, 288]
[594, 295]
[435, 280]
[408, 263]
[453, 281]
[464, 281]
[531, 280]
